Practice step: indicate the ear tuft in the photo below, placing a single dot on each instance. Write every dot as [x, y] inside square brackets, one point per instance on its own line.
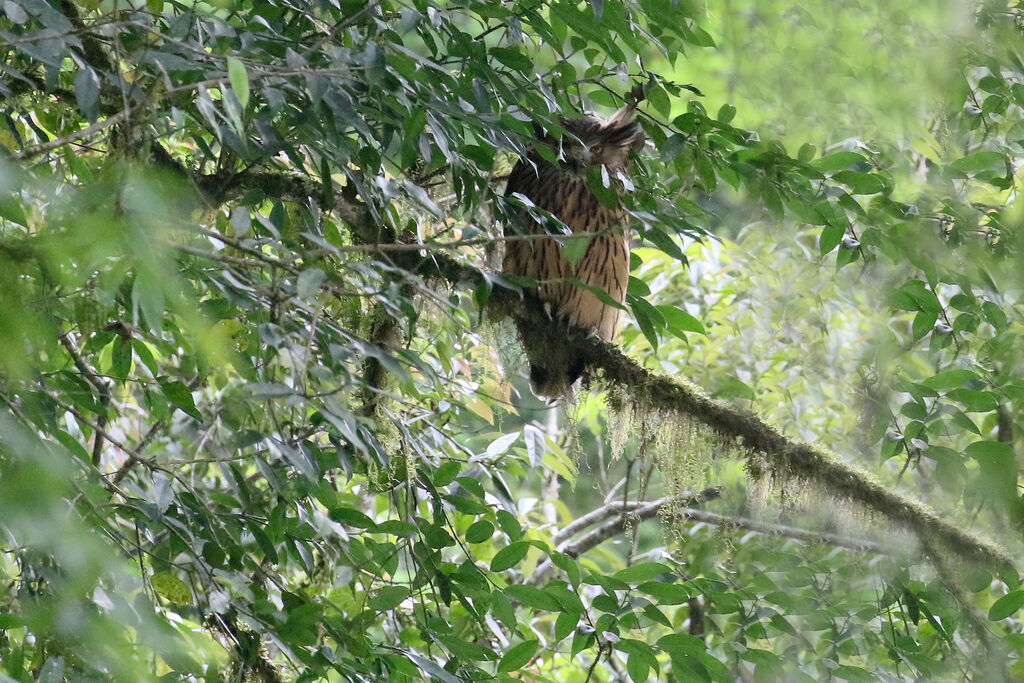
[624, 116]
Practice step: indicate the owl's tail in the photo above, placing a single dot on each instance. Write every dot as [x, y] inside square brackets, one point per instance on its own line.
[553, 383]
[554, 366]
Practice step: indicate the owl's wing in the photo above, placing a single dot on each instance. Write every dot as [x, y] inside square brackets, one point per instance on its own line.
[526, 256]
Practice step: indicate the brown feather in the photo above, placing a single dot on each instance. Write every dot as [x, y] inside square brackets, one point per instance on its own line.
[563, 191]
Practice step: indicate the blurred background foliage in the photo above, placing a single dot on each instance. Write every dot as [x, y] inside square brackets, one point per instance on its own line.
[252, 432]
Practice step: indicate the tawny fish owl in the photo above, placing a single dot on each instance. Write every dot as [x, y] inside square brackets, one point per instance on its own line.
[562, 190]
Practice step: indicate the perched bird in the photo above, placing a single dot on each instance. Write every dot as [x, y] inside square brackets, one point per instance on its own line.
[562, 190]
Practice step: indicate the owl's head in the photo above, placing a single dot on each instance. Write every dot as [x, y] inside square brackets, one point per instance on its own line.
[603, 142]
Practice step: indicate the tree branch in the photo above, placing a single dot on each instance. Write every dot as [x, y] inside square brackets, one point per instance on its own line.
[92, 48]
[625, 515]
[645, 511]
[615, 508]
[101, 386]
[767, 451]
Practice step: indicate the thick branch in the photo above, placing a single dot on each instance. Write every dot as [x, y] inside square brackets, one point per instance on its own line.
[764, 445]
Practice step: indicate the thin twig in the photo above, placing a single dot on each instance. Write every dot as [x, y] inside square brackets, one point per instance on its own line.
[101, 386]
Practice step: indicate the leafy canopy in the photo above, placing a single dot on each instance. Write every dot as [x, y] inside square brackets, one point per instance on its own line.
[255, 427]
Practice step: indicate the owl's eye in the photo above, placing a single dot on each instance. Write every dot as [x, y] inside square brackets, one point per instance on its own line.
[597, 149]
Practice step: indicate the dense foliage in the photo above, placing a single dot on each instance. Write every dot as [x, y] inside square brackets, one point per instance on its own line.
[263, 408]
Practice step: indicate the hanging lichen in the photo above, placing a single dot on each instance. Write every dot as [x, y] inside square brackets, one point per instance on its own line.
[503, 338]
[621, 417]
[684, 451]
[568, 409]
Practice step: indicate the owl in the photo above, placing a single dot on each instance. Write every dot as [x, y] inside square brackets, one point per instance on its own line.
[562, 189]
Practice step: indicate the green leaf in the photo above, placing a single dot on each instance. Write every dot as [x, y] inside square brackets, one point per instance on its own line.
[975, 401]
[665, 242]
[466, 650]
[665, 593]
[681, 645]
[920, 297]
[351, 517]
[950, 379]
[121, 359]
[700, 37]
[994, 315]
[656, 615]
[647, 317]
[433, 669]
[860, 183]
[502, 610]
[239, 80]
[977, 162]
[512, 58]
[69, 442]
[395, 527]
[87, 92]
[518, 657]
[565, 624]
[1016, 132]
[658, 98]
[508, 522]
[1006, 606]
[479, 531]
[989, 450]
[12, 210]
[567, 599]
[509, 556]
[172, 588]
[638, 669]
[708, 177]
[389, 597]
[679, 321]
[574, 247]
[145, 354]
[180, 397]
[638, 648]
[569, 565]
[854, 673]
[436, 535]
[831, 236]
[923, 323]
[837, 161]
[726, 113]
[446, 473]
[642, 571]
[148, 296]
[530, 596]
